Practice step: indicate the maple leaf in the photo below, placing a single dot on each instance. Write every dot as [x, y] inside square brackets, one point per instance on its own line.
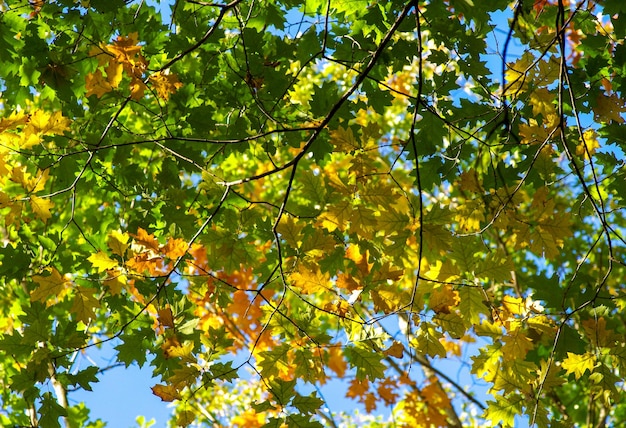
[367, 362]
[114, 73]
[386, 391]
[175, 248]
[609, 108]
[84, 304]
[166, 318]
[358, 388]
[96, 84]
[503, 411]
[118, 242]
[310, 280]
[53, 284]
[165, 84]
[471, 304]
[166, 393]
[41, 207]
[46, 123]
[427, 341]
[579, 364]
[147, 240]
[588, 144]
[115, 281]
[336, 361]
[343, 139]
[353, 253]
[395, 350]
[442, 299]
[517, 344]
[290, 230]
[101, 261]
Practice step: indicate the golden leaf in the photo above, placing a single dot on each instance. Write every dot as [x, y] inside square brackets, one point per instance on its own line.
[115, 281]
[84, 304]
[165, 84]
[101, 261]
[166, 393]
[118, 242]
[96, 84]
[54, 284]
[166, 318]
[310, 281]
[46, 123]
[579, 364]
[41, 207]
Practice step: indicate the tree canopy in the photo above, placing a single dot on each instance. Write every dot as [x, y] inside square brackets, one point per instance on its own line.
[261, 198]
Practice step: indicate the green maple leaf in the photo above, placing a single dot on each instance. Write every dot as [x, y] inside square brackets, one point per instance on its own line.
[503, 410]
[50, 411]
[307, 404]
[366, 361]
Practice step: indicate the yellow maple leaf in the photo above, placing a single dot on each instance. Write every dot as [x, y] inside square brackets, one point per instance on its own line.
[353, 252]
[588, 144]
[115, 281]
[53, 284]
[443, 298]
[115, 72]
[336, 216]
[578, 364]
[137, 89]
[101, 261]
[516, 345]
[542, 101]
[41, 207]
[165, 84]
[46, 123]
[84, 304]
[118, 242]
[514, 305]
[96, 84]
[310, 280]
[17, 118]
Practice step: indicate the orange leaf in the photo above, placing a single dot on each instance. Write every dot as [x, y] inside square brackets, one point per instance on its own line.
[175, 248]
[96, 84]
[336, 362]
[165, 84]
[358, 388]
[166, 392]
[395, 350]
[147, 240]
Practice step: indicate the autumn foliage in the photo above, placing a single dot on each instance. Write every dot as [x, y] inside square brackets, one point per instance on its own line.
[316, 213]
